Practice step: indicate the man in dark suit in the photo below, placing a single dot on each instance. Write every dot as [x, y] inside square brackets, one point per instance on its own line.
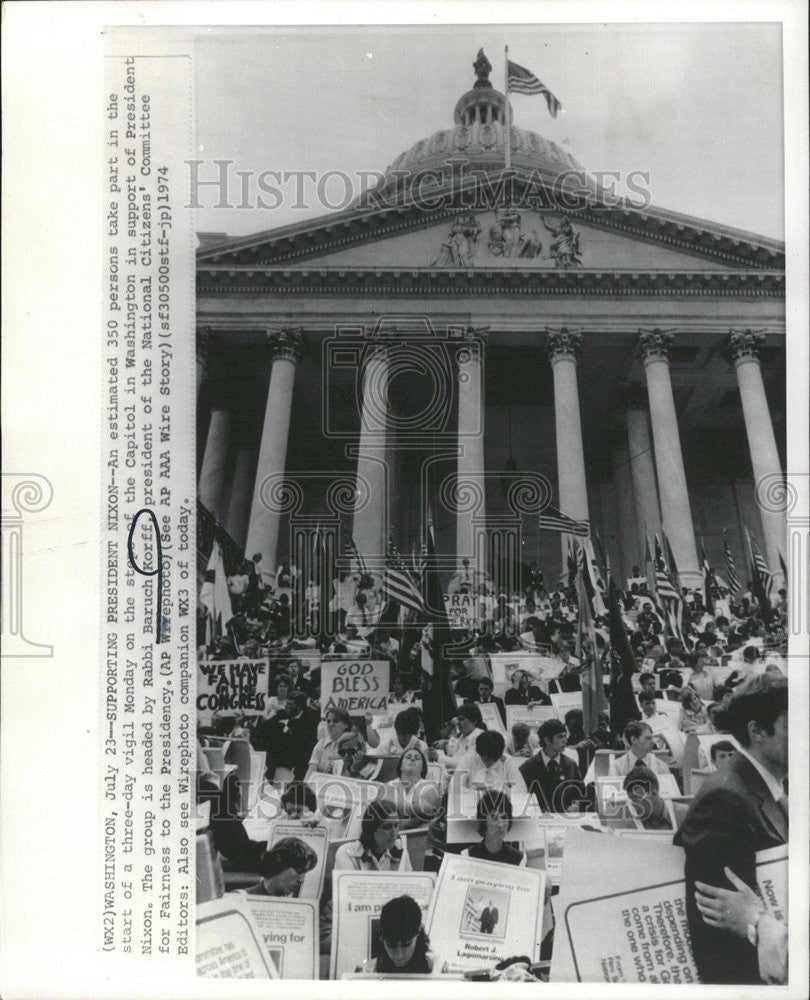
[552, 777]
[486, 697]
[737, 812]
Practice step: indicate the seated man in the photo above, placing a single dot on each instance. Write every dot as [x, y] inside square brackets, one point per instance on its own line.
[641, 786]
[638, 737]
[554, 778]
[488, 766]
[486, 697]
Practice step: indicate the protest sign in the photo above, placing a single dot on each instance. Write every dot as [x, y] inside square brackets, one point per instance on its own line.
[532, 717]
[359, 686]
[289, 928]
[565, 701]
[358, 898]
[316, 837]
[492, 717]
[553, 830]
[635, 928]
[342, 801]
[237, 687]
[461, 610]
[229, 944]
[540, 668]
[483, 912]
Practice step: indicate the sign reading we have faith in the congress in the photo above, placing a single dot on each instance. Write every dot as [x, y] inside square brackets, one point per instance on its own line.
[484, 911]
[359, 686]
[238, 686]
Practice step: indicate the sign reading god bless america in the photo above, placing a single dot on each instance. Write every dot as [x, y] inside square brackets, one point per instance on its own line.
[359, 686]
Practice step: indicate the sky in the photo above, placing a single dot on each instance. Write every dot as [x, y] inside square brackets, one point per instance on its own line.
[698, 107]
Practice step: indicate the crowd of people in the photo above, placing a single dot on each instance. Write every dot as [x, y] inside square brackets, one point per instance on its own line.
[724, 675]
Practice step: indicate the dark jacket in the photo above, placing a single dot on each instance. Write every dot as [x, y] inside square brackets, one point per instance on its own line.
[732, 817]
[553, 794]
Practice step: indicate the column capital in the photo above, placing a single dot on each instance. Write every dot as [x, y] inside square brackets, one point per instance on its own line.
[654, 345]
[563, 343]
[743, 345]
[633, 396]
[286, 342]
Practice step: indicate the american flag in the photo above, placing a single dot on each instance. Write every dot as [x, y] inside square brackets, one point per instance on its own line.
[551, 519]
[521, 81]
[759, 564]
[399, 584]
[668, 595]
[733, 579]
[361, 562]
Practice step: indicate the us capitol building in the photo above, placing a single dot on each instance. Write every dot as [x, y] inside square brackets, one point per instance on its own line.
[493, 342]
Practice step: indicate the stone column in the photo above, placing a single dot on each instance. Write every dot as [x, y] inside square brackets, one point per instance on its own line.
[263, 526]
[625, 522]
[563, 347]
[236, 520]
[211, 487]
[642, 471]
[471, 441]
[676, 513]
[203, 350]
[370, 521]
[742, 348]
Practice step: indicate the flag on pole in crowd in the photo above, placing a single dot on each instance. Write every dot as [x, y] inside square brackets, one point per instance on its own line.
[733, 579]
[623, 706]
[594, 577]
[590, 677]
[520, 80]
[669, 596]
[674, 575]
[438, 700]
[784, 570]
[571, 559]
[708, 580]
[399, 584]
[761, 578]
[358, 558]
[551, 519]
[215, 596]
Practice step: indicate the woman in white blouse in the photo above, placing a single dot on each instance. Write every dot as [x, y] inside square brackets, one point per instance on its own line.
[417, 799]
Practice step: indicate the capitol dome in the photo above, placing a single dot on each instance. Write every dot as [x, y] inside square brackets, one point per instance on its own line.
[476, 144]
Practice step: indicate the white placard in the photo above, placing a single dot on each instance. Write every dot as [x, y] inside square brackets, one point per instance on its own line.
[229, 944]
[357, 899]
[235, 687]
[492, 717]
[359, 686]
[316, 837]
[483, 912]
[289, 928]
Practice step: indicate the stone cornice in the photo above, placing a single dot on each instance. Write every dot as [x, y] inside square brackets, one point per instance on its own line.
[359, 224]
[251, 280]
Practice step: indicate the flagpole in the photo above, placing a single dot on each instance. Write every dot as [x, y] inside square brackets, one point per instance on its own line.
[508, 140]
